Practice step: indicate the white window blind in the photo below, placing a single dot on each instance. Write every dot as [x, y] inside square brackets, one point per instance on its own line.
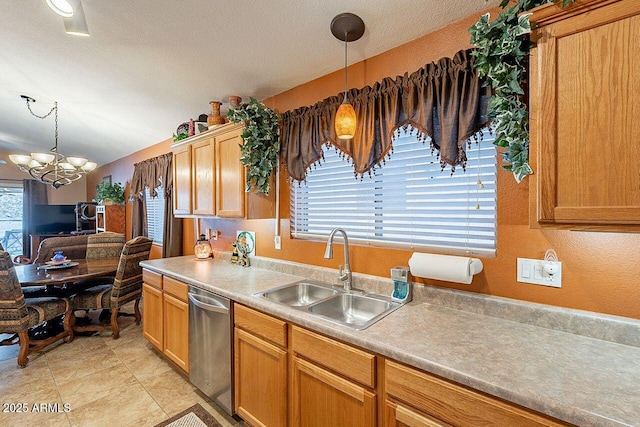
[407, 203]
[155, 214]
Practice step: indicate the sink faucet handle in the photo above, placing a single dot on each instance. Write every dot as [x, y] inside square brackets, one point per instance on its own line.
[340, 270]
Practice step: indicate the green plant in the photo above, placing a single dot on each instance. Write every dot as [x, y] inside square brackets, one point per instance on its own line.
[502, 50]
[108, 191]
[180, 136]
[261, 144]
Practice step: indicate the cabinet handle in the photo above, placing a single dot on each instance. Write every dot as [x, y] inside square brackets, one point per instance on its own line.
[216, 307]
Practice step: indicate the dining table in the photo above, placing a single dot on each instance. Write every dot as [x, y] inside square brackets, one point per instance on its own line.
[65, 275]
[60, 280]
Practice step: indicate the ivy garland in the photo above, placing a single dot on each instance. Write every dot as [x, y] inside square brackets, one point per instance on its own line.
[501, 53]
[261, 145]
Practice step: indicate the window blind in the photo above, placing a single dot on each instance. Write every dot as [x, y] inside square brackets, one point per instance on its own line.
[155, 215]
[407, 203]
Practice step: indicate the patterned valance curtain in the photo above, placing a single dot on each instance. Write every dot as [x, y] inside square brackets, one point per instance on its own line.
[443, 100]
[151, 174]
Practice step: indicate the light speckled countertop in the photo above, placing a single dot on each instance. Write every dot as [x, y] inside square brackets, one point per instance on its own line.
[578, 379]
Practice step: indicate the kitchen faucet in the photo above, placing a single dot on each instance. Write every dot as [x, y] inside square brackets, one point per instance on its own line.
[344, 277]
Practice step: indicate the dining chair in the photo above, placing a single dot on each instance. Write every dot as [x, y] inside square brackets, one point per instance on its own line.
[104, 245]
[126, 287]
[18, 314]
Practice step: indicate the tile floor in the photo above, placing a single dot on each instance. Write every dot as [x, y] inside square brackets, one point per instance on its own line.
[102, 381]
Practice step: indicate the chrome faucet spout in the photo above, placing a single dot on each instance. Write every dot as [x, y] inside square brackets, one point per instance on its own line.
[345, 277]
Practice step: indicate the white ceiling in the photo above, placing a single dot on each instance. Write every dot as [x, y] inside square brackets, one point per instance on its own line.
[150, 65]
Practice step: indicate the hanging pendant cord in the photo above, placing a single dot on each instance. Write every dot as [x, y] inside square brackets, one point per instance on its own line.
[346, 33]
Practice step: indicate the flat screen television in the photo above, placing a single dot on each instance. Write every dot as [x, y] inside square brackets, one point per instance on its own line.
[53, 219]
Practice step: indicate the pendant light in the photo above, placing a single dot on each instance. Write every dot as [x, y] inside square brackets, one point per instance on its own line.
[346, 27]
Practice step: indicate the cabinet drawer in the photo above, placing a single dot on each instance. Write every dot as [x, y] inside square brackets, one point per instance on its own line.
[452, 403]
[267, 327]
[151, 278]
[350, 362]
[176, 288]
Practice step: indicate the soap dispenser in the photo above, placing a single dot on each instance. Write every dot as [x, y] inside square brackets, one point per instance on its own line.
[401, 284]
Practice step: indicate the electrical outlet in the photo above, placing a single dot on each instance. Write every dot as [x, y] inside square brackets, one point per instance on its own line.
[277, 242]
[214, 235]
[533, 271]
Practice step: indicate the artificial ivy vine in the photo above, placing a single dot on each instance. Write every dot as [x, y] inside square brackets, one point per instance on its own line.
[502, 50]
[261, 144]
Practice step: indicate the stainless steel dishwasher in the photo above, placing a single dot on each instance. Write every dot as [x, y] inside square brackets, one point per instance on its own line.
[210, 349]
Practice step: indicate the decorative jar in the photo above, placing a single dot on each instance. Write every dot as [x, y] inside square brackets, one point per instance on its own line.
[215, 119]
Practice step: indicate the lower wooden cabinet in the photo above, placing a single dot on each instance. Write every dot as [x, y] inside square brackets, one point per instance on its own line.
[321, 398]
[176, 331]
[415, 398]
[260, 380]
[152, 315]
[286, 375]
[165, 316]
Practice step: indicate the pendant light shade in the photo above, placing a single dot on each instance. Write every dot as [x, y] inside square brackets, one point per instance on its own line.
[345, 121]
[346, 27]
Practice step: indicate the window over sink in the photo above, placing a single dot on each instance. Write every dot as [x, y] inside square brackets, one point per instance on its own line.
[155, 214]
[407, 203]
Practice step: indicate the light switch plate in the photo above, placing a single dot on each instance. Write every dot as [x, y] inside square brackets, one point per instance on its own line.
[277, 243]
[532, 271]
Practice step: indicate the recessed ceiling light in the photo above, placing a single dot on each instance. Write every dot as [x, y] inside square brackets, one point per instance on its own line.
[61, 7]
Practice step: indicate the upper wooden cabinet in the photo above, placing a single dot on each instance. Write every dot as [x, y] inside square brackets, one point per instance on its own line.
[209, 179]
[585, 132]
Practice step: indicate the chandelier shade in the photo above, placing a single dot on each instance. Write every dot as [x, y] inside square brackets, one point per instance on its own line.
[52, 168]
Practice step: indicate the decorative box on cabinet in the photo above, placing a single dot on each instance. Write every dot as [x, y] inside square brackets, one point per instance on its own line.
[584, 116]
[165, 322]
[110, 218]
[210, 180]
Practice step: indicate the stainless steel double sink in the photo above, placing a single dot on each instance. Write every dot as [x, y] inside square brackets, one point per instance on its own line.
[353, 309]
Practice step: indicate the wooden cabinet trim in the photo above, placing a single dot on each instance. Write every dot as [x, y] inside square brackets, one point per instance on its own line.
[176, 288]
[267, 347]
[152, 278]
[230, 176]
[347, 387]
[182, 180]
[262, 325]
[203, 177]
[351, 362]
[454, 403]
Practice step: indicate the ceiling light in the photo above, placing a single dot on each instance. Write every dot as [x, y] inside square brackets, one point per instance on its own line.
[346, 27]
[61, 7]
[77, 24]
[52, 168]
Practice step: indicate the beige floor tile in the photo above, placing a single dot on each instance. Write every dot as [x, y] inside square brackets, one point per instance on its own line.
[145, 368]
[82, 364]
[150, 420]
[134, 349]
[79, 346]
[172, 391]
[115, 409]
[35, 377]
[81, 391]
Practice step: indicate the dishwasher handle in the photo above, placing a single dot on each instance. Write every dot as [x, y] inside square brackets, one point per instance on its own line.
[216, 307]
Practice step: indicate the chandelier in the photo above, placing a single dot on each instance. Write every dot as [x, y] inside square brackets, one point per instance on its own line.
[52, 168]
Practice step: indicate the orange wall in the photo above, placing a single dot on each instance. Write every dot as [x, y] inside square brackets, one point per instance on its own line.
[121, 171]
[600, 270]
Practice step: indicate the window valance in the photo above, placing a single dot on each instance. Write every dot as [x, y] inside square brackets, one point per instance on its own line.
[443, 100]
[153, 173]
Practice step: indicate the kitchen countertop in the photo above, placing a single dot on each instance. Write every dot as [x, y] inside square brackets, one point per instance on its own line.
[578, 379]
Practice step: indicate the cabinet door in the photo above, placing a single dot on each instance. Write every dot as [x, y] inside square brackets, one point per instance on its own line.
[152, 315]
[584, 116]
[401, 416]
[182, 180]
[176, 331]
[260, 381]
[230, 176]
[203, 178]
[320, 398]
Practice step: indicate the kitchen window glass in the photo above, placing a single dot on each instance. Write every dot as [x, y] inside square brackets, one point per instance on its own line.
[155, 215]
[408, 203]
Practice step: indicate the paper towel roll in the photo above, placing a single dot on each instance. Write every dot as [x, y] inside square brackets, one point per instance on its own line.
[444, 267]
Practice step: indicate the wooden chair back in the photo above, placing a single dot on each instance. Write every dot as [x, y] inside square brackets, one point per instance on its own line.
[127, 285]
[14, 316]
